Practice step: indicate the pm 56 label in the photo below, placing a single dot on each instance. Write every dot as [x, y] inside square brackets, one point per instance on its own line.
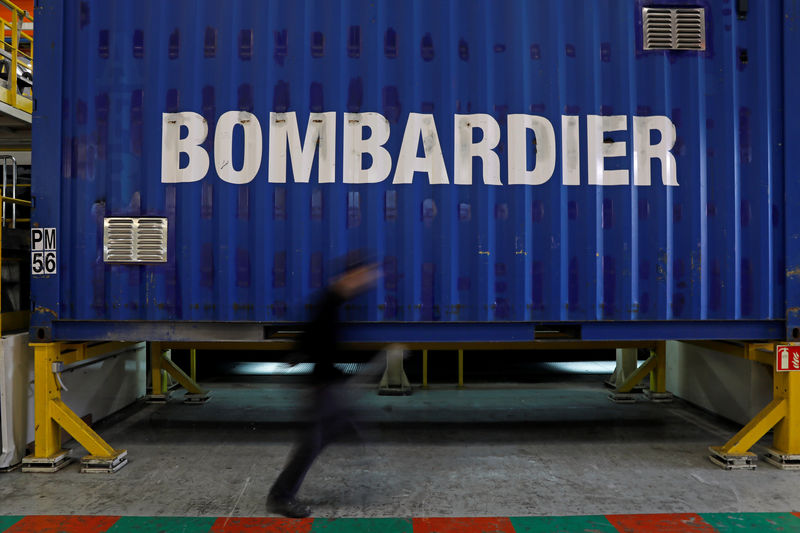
[43, 251]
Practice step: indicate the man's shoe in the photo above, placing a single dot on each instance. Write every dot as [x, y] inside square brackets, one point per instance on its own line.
[288, 507]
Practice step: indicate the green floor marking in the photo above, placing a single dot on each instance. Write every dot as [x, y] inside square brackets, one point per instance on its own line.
[562, 524]
[725, 522]
[8, 521]
[163, 524]
[362, 525]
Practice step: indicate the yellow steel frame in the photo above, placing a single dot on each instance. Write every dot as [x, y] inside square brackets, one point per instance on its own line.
[52, 414]
[160, 365]
[782, 414]
[656, 366]
[424, 369]
[10, 95]
[461, 369]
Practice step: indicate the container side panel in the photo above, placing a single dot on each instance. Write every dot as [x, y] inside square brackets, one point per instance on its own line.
[502, 162]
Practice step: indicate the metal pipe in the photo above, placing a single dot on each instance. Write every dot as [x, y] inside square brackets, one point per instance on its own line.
[5, 182]
[14, 192]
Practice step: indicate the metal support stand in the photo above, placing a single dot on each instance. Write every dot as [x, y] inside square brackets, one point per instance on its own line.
[424, 369]
[161, 364]
[627, 359]
[783, 415]
[51, 414]
[655, 366]
[394, 381]
[461, 369]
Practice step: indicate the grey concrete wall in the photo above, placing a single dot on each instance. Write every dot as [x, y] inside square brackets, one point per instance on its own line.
[724, 384]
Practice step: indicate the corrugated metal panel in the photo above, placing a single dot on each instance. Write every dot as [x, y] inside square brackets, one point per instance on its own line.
[709, 248]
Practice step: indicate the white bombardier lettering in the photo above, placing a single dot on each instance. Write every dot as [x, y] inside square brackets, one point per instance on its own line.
[368, 133]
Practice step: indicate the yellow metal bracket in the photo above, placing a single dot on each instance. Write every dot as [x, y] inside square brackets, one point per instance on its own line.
[52, 414]
[656, 367]
[782, 415]
[161, 365]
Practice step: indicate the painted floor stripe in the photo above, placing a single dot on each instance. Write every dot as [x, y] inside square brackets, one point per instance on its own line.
[8, 521]
[362, 525]
[660, 523]
[463, 525]
[63, 524]
[762, 522]
[133, 524]
[563, 524]
[262, 525]
[637, 523]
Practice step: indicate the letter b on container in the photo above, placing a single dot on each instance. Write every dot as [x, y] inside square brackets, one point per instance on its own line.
[172, 145]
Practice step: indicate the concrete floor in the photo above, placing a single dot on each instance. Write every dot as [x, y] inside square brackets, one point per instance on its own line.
[542, 449]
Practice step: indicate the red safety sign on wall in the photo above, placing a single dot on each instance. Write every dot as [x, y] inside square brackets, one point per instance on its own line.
[788, 358]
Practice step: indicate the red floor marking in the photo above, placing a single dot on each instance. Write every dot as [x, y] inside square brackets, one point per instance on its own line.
[463, 525]
[660, 523]
[267, 525]
[63, 524]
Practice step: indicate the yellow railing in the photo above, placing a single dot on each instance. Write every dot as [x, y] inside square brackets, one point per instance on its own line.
[16, 65]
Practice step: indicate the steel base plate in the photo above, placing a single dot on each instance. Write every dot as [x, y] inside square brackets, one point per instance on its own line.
[10, 468]
[54, 463]
[623, 397]
[394, 391]
[658, 397]
[613, 385]
[732, 461]
[784, 461]
[196, 399]
[93, 464]
[156, 398]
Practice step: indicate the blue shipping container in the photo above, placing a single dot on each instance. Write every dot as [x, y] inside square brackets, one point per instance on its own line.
[610, 169]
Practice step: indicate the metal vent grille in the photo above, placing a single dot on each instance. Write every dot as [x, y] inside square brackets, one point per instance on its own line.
[135, 240]
[674, 28]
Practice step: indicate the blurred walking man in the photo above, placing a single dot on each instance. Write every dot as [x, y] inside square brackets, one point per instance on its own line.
[331, 414]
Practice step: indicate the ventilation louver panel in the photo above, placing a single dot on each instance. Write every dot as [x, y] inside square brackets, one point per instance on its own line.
[674, 28]
[135, 240]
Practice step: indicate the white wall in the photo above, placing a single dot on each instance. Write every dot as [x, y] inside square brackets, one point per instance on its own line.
[729, 386]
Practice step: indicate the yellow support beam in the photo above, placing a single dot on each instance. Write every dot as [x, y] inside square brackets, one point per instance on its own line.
[424, 369]
[782, 415]
[288, 344]
[80, 431]
[12, 75]
[72, 353]
[24, 203]
[193, 364]
[786, 437]
[740, 443]
[656, 367]
[157, 391]
[658, 377]
[180, 376]
[639, 374]
[52, 414]
[47, 436]
[461, 369]
[161, 366]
